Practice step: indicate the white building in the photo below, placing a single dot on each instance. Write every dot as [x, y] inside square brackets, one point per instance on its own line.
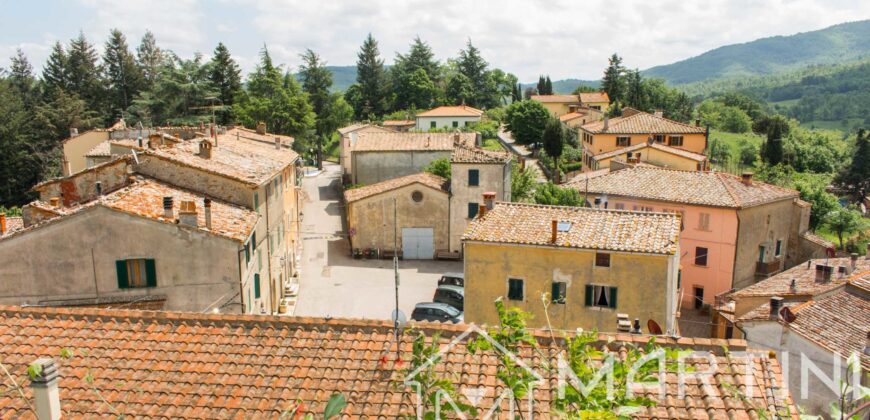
[448, 117]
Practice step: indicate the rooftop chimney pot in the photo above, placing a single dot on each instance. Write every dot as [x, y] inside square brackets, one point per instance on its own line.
[261, 128]
[481, 211]
[73, 132]
[277, 143]
[2, 224]
[54, 201]
[45, 391]
[489, 200]
[853, 257]
[746, 178]
[554, 230]
[698, 122]
[606, 123]
[167, 208]
[205, 149]
[775, 306]
[187, 214]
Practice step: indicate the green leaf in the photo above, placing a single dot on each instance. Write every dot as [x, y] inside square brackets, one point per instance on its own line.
[334, 406]
[66, 353]
[34, 371]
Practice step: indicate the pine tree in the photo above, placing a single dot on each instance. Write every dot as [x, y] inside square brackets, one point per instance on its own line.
[549, 85]
[316, 82]
[226, 76]
[55, 75]
[150, 59]
[415, 77]
[475, 70]
[85, 73]
[635, 95]
[856, 177]
[371, 79]
[21, 77]
[613, 82]
[124, 77]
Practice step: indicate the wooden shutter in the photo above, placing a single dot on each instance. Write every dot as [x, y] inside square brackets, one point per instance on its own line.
[150, 273]
[254, 240]
[613, 297]
[473, 177]
[590, 290]
[257, 286]
[123, 278]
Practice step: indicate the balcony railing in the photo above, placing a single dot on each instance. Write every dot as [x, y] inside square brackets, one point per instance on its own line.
[767, 268]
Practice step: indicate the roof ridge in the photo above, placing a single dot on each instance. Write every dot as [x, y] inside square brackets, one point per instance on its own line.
[586, 209]
[729, 190]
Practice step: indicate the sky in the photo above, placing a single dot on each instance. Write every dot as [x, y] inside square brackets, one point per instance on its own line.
[561, 38]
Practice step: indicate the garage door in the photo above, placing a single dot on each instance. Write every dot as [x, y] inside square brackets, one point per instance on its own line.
[417, 243]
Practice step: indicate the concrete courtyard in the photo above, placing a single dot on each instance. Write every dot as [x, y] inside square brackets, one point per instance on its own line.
[333, 284]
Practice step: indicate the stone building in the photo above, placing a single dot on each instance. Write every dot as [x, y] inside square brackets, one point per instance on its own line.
[377, 157]
[348, 136]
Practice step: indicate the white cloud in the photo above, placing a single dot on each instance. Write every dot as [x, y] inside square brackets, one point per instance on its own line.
[177, 24]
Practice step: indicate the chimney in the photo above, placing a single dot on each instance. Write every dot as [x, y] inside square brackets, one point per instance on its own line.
[261, 128]
[746, 178]
[554, 230]
[139, 140]
[853, 260]
[775, 306]
[187, 214]
[481, 211]
[205, 149]
[277, 143]
[99, 187]
[2, 224]
[635, 329]
[167, 208]
[45, 392]
[73, 131]
[206, 205]
[824, 273]
[154, 140]
[489, 199]
[606, 123]
[456, 136]
[793, 286]
[698, 122]
[659, 113]
[55, 201]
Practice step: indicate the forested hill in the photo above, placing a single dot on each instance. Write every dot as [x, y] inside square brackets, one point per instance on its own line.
[834, 45]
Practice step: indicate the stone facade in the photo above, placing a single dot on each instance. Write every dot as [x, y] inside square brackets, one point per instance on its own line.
[376, 166]
[493, 177]
[762, 226]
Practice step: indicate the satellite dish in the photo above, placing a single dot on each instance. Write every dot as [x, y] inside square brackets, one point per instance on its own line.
[402, 319]
[653, 327]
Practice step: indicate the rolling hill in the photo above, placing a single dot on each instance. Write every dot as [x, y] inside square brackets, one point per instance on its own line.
[833, 45]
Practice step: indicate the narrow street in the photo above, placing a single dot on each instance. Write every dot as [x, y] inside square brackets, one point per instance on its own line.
[333, 284]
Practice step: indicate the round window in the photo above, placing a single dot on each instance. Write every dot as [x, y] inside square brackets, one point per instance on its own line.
[417, 196]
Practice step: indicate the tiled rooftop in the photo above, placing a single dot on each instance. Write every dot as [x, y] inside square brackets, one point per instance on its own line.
[393, 141]
[186, 365]
[573, 115]
[642, 123]
[359, 126]
[246, 133]
[806, 285]
[452, 111]
[101, 150]
[658, 146]
[468, 154]
[714, 189]
[425, 178]
[13, 224]
[392, 123]
[556, 99]
[240, 154]
[839, 323]
[615, 230]
[587, 97]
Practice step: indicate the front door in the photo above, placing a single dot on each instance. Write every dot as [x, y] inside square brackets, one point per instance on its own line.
[418, 243]
[699, 297]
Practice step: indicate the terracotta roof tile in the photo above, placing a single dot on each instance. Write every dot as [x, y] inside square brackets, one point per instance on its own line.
[394, 141]
[101, 150]
[587, 97]
[391, 123]
[425, 178]
[658, 146]
[13, 224]
[571, 116]
[615, 230]
[452, 111]
[804, 278]
[468, 154]
[187, 365]
[839, 323]
[354, 127]
[714, 189]
[642, 123]
[556, 99]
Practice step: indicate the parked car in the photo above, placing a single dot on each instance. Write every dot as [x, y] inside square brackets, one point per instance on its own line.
[433, 311]
[453, 279]
[451, 295]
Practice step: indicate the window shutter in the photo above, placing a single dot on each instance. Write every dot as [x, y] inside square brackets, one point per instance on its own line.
[247, 253]
[613, 297]
[123, 279]
[254, 240]
[554, 292]
[472, 210]
[589, 292]
[257, 286]
[150, 273]
[473, 177]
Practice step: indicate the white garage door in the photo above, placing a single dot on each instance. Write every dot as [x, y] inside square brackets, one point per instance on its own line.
[417, 243]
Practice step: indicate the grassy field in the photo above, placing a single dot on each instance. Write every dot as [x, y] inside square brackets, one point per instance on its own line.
[733, 141]
[833, 125]
[492, 144]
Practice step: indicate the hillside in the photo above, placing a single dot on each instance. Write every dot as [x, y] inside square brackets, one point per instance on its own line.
[342, 77]
[834, 45]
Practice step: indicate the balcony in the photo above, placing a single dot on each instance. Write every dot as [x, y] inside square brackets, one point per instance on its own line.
[767, 268]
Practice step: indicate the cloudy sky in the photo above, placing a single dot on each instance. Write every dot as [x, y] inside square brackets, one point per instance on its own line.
[562, 38]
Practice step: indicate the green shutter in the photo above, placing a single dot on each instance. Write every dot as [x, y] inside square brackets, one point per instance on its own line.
[589, 292]
[613, 297]
[247, 253]
[257, 286]
[150, 273]
[473, 177]
[123, 279]
[554, 292]
[254, 240]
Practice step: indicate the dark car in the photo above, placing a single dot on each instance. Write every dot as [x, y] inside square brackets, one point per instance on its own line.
[452, 279]
[451, 295]
[433, 311]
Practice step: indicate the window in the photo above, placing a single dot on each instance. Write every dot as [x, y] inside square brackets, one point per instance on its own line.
[256, 286]
[455, 124]
[417, 196]
[675, 141]
[248, 253]
[761, 252]
[620, 206]
[704, 221]
[701, 256]
[473, 177]
[602, 259]
[253, 241]
[623, 141]
[660, 138]
[515, 289]
[600, 296]
[139, 272]
[647, 209]
[560, 290]
[778, 248]
[256, 201]
[472, 210]
[699, 297]
[432, 124]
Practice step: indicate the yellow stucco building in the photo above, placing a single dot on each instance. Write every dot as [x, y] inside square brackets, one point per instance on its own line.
[586, 265]
[559, 105]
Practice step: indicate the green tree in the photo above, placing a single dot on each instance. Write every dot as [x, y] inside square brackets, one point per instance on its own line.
[477, 78]
[225, 76]
[549, 85]
[718, 152]
[19, 169]
[440, 167]
[21, 77]
[844, 221]
[179, 97]
[522, 183]
[613, 81]
[372, 81]
[749, 152]
[123, 76]
[84, 73]
[856, 177]
[635, 94]
[55, 74]
[553, 139]
[823, 202]
[735, 120]
[772, 151]
[416, 76]
[552, 194]
[526, 120]
[150, 59]
[542, 85]
[316, 82]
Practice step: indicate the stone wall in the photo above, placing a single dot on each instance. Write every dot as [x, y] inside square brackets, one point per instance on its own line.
[373, 167]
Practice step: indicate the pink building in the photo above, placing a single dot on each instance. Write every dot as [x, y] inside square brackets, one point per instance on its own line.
[735, 231]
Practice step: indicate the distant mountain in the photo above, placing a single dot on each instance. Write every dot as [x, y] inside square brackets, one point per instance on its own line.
[342, 77]
[834, 45]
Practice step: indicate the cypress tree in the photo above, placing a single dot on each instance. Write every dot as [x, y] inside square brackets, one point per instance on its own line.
[613, 82]
[21, 77]
[772, 151]
[856, 177]
[549, 85]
